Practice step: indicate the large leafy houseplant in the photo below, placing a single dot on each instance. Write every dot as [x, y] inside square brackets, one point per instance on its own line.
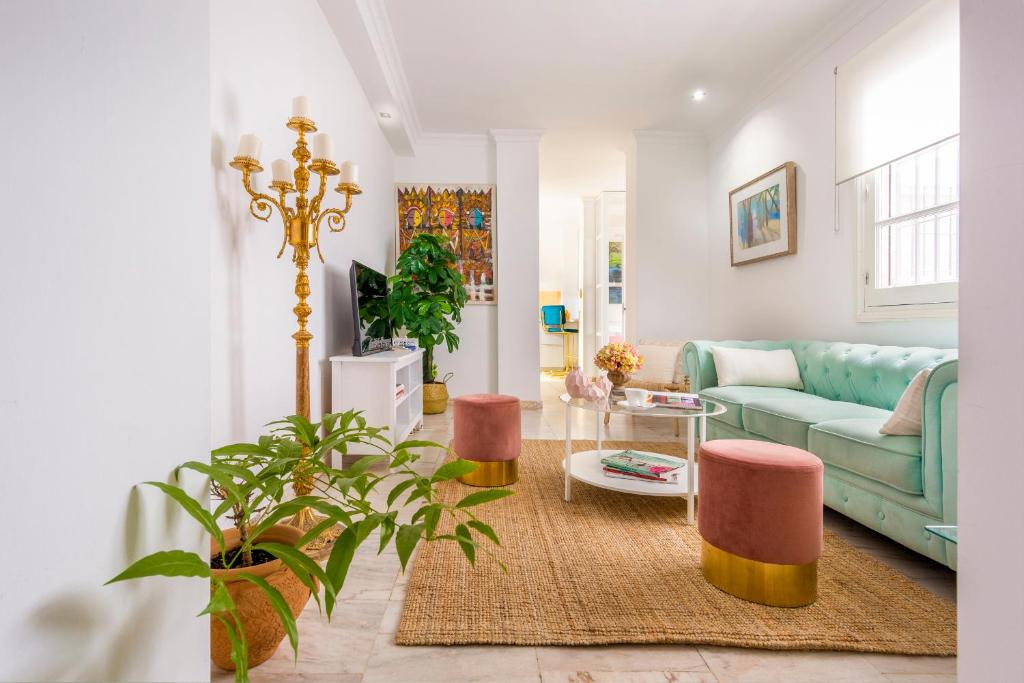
[427, 296]
[249, 481]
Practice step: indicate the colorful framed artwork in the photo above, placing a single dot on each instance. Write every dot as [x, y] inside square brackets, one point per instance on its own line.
[464, 214]
[762, 216]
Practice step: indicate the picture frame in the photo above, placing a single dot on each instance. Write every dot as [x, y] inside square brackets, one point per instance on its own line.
[465, 214]
[762, 217]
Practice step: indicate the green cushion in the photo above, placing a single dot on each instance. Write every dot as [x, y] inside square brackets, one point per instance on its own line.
[856, 446]
[787, 420]
[733, 398]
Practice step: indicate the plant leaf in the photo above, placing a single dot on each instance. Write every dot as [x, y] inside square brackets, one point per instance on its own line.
[466, 543]
[220, 601]
[405, 541]
[192, 507]
[239, 646]
[165, 563]
[406, 445]
[284, 612]
[485, 496]
[315, 532]
[300, 563]
[338, 563]
[398, 490]
[485, 530]
[453, 469]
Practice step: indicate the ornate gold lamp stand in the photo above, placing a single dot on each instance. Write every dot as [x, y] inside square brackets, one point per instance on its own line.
[302, 223]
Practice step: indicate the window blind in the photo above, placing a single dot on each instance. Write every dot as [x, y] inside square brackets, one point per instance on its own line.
[901, 93]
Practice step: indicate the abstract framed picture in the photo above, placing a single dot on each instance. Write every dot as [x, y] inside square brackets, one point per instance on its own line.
[762, 216]
[464, 214]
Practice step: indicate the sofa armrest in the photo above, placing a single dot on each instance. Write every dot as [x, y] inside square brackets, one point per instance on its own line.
[938, 439]
[699, 365]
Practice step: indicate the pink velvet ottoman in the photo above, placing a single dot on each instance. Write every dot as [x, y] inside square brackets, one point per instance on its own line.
[488, 432]
[760, 515]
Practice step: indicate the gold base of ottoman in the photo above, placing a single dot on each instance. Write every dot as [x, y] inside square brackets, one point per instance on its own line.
[493, 473]
[778, 585]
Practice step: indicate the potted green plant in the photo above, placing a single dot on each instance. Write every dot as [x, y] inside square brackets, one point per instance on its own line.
[427, 297]
[260, 578]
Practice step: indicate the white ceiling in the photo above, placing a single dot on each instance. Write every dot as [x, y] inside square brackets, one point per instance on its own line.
[473, 65]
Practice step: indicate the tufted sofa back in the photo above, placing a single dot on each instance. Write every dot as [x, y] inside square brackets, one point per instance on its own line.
[863, 373]
[839, 371]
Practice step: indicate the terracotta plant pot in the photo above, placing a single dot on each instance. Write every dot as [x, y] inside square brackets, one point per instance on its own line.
[618, 379]
[262, 626]
[435, 398]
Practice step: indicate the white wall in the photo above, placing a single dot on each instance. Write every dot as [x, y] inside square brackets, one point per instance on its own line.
[812, 294]
[991, 557]
[105, 356]
[667, 240]
[517, 172]
[252, 84]
[465, 159]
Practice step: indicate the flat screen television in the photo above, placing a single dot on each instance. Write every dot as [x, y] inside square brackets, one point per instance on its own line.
[370, 312]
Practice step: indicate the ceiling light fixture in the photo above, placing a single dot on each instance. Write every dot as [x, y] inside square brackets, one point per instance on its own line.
[384, 115]
[698, 95]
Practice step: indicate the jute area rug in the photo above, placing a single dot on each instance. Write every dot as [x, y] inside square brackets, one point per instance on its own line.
[617, 568]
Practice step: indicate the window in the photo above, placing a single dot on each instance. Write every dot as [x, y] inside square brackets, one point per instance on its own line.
[909, 234]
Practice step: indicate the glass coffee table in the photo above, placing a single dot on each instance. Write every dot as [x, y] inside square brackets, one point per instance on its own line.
[586, 465]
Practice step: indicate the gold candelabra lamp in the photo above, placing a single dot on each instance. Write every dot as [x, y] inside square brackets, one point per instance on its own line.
[302, 222]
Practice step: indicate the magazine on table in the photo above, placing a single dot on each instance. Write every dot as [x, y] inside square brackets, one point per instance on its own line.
[630, 461]
[671, 399]
[670, 478]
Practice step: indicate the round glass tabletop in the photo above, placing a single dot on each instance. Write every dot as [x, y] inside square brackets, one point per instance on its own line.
[616, 405]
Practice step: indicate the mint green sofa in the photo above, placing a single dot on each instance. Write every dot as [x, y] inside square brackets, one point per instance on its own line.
[893, 484]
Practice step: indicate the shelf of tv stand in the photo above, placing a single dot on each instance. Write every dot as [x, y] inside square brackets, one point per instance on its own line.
[367, 383]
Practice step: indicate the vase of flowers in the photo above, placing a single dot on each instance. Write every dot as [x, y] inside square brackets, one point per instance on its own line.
[619, 360]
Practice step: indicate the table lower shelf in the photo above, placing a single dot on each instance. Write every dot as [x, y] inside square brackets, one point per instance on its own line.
[586, 467]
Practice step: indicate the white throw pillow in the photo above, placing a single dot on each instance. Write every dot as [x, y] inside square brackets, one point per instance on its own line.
[659, 363]
[756, 368]
[906, 418]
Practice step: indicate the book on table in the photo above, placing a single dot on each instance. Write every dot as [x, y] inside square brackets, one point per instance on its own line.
[630, 464]
[672, 399]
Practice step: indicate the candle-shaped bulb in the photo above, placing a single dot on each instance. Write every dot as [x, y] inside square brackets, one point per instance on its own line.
[301, 107]
[323, 146]
[349, 173]
[281, 171]
[249, 146]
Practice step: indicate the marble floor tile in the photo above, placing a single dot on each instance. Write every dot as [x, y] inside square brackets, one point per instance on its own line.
[621, 658]
[906, 664]
[627, 677]
[258, 676]
[390, 663]
[736, 665]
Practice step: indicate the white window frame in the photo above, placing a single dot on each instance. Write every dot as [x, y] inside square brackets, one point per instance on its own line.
[936, 300]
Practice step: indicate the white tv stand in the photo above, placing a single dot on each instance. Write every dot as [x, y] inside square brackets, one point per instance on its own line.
[367, 383]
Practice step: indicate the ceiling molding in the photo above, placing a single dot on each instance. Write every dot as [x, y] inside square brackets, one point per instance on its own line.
[459, 139]
[363, 31]
[382, 38]
[516, 134]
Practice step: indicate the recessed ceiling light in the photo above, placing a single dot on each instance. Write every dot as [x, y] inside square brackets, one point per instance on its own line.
[698, 95]
[384, 115]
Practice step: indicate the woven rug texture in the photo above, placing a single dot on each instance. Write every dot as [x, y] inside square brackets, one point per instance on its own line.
[609, 567]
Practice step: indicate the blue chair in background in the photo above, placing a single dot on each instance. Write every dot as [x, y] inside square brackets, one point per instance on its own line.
[555, 320]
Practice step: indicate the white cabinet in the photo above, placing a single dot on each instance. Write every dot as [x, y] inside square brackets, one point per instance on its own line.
[368, 383]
